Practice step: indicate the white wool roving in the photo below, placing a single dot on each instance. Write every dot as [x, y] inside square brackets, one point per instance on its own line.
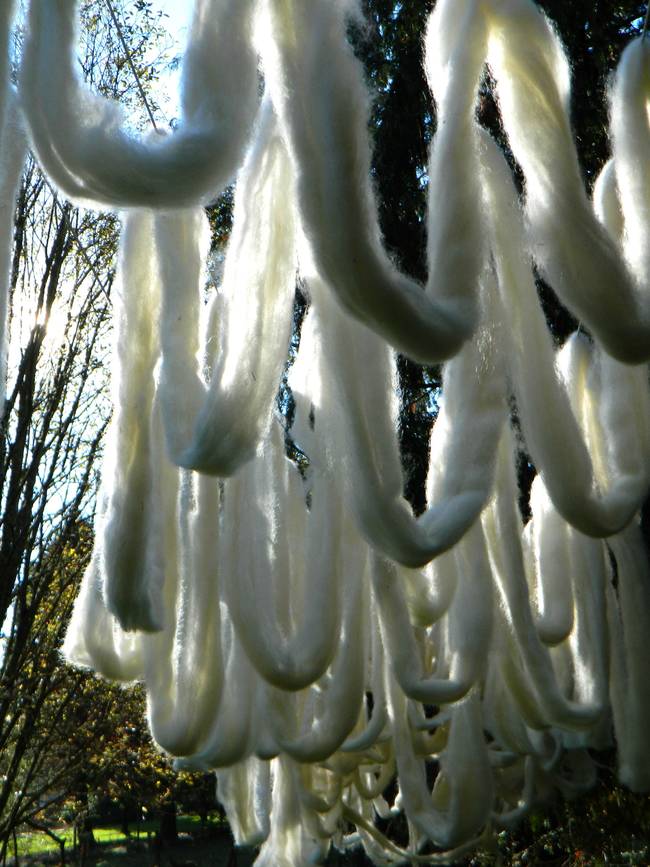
[249, 329]
[13, 145]
[12, 157]
[6, 18]
[132, 582]
[215, 427]
[365, 441]
[551, 429]
[628, 616]
[334, 658]
[631, 140]
[317, 87]
[79, 136]
[182, 241]
[574, 252]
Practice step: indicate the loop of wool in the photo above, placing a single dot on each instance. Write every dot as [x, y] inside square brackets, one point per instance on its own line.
[297, 628]
[80, 139]
[249, 328]
[317, 87]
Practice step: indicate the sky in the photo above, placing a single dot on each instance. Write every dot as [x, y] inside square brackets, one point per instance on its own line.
[179, 14]
[178, 10]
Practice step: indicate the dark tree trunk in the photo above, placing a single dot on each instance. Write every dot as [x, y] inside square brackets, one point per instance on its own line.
[168, 825]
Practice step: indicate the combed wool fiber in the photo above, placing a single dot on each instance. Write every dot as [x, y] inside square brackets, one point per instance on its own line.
[570, 246]
[631, 139]
[80, 138]
[336, 660]
[132, 583]
[13, 147]
[251, 322]
[12, 156]
[317, 86]
[552, 432]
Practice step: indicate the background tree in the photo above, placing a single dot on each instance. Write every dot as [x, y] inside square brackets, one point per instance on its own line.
[52, 423]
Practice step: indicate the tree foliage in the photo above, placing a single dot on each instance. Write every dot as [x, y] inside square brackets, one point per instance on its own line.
[55, 720]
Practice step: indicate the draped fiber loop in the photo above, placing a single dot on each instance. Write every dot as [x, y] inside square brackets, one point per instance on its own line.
[334, 658]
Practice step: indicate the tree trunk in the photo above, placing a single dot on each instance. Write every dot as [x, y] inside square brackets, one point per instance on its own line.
[87, 840]
[168, 826]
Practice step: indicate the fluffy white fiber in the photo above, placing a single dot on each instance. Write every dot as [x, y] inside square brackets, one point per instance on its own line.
[12, 157]
[13, 147]
[250, 323]
[299, 630]
[317, 87]
[80, 138]
[575, 254]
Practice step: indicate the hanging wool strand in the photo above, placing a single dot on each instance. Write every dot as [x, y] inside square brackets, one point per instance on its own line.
[300, 631]
[12, 157]
[79, 137]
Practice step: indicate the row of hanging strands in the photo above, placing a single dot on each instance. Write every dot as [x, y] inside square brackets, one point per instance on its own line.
[300, 631]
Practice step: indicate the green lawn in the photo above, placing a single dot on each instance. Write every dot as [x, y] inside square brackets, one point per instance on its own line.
[34, 843]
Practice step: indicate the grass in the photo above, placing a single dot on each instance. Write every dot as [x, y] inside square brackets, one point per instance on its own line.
[35, 843]
[198, 853]
[199, 845]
